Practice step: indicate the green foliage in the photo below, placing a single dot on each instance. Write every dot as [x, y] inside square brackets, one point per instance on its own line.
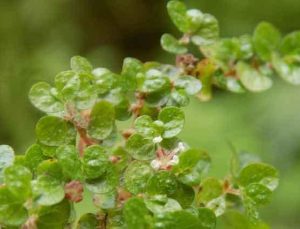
[150, 178]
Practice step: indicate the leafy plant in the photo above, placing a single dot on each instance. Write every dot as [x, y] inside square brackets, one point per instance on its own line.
[149, 178]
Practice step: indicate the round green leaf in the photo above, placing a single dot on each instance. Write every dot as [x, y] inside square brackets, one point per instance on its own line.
[102, 120]
[184, 194]
[173, 119]
[95, 161]
[122, 158]
[162, 182]
[177, 12]
[172, 45]
[41, 96]
[192, 164]
[266, 40]
[68, 157]
[189, 83]
[291, 44]
[104, 80]
[18, 178]
[131, 67]
[207, 218]
[88, 221]
[136, 214]
[252, 79]
[50, 168]
[178, 98]
[55, 216]
[144, 125]
[34, 156]
[259, 193]
[160, 204]
[140, 148]
[105, 183]
[210, 188]
[136, 176]
[54, 131]
[257, 173]
[6, 158]
[47, 190]
[80, 64]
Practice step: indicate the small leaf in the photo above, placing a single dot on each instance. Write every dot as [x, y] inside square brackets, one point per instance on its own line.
[266, 40]
[210, 189]
[131, 67]
[207, 218]
[192, 164]
[55, 216]
[95, 161]
[47, 190]
[6, 158]
[41, 97]
[140, 148]
[102, 120]
[68, 157]
[177, 12]
[50, 168]
[160, 204]
[291, 44]
[104, 80]
[256, 173]
[173, 119]
[259, 193]
[145, 126]
[252, 79]
[80, 64]
[178, 98]
[172, 45]
[136, 176]
[34, 156]
[189, 83]
[54, 131]
[18, 178]
[184, 194]
[88, 221]
[105, 200]
[136, 214]
[162, 182]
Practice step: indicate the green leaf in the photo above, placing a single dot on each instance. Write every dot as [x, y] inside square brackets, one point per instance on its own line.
[258, 173]
[6, 158]
[18, 178]
[189, 83]
[12, 212]
[288, 72]
[184, 194]
[178, 98]
[207, 218]
[259, 193]
[172, 45]
[95, 161]
[140, 148]
[162, 182]
[136, 176]
[42, 96]
[196, 19]
[55, 216]
[105, 183]
[210, 189]
[266, 40]
[144, 125]
[80, 64]
[177, 220]
[173, 119]
[102, 120]
[104, 80]
[136, 214]
[47, 190]
[253, 79]
[192, 164]
[50, 168]
[34, 156]
[131, 67]
[105, 200]
[208, 33]
[68, 157]
[88, 221]
[160, 204]
[177, 12]
[291, 44]
[54, 131]
[122, 158]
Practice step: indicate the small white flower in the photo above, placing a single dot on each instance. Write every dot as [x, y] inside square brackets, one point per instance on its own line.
[157, 139]
[155, 164]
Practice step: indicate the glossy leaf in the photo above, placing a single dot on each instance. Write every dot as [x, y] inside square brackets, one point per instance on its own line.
[177, 12]
[101, 120]
[131, 67]
[259, 193]
[207, 218]
[162, 182]
[54, 131]
[291, 44]
[42, 96]
[88, 221]
[160, 204]
[210, 189]
[190, 84]
[173, 119]
[34, 156]
[136, 176]
[140, 148]
[6, 158]
[80, 64]
[172, 45]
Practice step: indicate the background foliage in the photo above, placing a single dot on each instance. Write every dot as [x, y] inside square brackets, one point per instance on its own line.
[38, 37]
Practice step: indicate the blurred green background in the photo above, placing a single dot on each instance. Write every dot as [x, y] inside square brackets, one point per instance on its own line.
[37, 38]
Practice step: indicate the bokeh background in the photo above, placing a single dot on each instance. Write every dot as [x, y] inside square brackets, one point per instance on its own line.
[37, 38]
